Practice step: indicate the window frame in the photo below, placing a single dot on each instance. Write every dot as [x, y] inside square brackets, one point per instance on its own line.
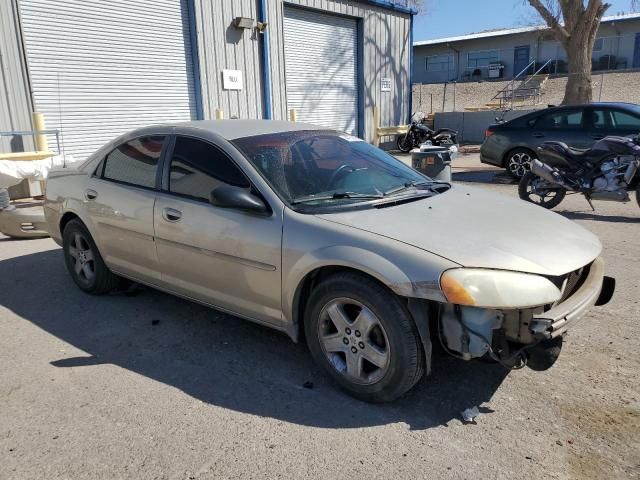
[613, 112]
[101, 167]
[487, 51]
[449, 62]
[166, 171]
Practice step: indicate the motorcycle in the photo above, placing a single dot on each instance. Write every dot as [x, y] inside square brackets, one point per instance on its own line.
[418, 133]
[606, 171]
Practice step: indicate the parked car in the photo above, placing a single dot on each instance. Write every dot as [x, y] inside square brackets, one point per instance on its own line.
[513, 144]
[323, 236]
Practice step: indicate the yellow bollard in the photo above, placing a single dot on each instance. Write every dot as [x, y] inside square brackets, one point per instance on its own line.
[42, 144]
[293, 115]
[219, 115]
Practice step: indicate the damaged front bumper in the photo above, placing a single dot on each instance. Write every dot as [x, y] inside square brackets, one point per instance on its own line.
[595, 290]
[509, 336]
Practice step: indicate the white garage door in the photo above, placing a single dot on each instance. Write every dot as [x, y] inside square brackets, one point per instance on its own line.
[321, 69]
[99, 69]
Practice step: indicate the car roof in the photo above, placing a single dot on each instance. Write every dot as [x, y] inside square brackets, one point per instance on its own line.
[232, 129]
[593, 104]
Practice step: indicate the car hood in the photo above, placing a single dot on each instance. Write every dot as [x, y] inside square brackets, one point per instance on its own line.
[476, 228]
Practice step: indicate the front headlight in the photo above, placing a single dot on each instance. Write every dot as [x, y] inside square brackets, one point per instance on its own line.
[486, 288]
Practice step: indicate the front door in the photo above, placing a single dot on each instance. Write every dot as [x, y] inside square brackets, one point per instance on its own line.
[520, 59]
[636, 52]
[120, 199]
[224, 257]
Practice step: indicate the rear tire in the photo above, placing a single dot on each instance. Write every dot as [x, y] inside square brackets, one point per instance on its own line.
[363, 337]
[84, 262]
[548, 198]
[518, 162]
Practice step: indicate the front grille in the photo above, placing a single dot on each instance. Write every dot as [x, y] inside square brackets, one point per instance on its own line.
[572, 282]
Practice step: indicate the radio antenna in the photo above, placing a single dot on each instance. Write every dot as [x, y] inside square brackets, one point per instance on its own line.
[60, 122]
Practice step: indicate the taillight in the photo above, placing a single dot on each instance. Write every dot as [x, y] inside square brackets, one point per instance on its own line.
[488, 132]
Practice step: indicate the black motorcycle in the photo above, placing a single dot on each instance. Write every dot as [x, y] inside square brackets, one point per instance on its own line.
[606, 171]
[419, 133]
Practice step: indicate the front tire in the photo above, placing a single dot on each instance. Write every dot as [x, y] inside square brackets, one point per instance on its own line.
[84, 262]
[364, 337]
[518, 162]
[404, 143]
[531, 189]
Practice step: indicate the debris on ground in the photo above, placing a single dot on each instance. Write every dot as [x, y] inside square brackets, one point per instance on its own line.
[470, 414]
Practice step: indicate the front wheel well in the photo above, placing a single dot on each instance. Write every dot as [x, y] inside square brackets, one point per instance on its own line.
[308, 283]
[66, 218]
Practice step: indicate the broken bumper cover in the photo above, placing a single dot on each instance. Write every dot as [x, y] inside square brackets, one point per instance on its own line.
[554, 322]
[24, 222]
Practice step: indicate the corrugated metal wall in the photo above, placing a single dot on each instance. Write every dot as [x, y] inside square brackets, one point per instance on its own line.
[386, 54]
[15, 103]
[222, 46]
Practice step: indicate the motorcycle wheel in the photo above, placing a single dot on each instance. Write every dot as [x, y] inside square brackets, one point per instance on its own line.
[530, 191]
[404, 143]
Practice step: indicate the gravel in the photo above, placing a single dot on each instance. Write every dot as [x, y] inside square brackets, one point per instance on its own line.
[149, 386]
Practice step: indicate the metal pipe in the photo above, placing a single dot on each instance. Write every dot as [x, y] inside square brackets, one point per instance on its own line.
[266, 68]
[42, 144]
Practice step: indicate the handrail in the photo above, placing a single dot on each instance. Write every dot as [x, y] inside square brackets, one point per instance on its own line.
[509, 92]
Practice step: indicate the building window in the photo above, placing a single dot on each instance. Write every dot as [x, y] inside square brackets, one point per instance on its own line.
[439, 63]
[482, 58]
[598, 46]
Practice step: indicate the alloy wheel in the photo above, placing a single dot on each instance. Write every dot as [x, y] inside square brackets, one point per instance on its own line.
[83, 258]
[354, 341]
[519, 164]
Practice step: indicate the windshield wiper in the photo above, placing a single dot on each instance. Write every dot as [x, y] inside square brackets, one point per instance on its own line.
[407, 186]
[334, 196]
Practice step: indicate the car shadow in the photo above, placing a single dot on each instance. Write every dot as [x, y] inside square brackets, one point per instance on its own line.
[597, 217]
[220, 359]
[490, 176]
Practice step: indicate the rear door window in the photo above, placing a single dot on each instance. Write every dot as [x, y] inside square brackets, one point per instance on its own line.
[600, 119]
[564, 120]
[135, 162]
[197, 168]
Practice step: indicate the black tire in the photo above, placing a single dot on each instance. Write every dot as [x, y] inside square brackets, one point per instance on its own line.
[404, 143]
[395, 337]
[548, 198]
[76, 242]
[518, 162]
[638, 194]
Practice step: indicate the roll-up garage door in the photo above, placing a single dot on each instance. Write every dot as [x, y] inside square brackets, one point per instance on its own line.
[99, 69]
[321, 68]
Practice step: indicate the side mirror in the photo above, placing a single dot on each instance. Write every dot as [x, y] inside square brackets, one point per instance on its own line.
[238, 198]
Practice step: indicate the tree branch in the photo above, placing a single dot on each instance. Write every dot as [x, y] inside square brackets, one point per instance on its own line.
[551, 20]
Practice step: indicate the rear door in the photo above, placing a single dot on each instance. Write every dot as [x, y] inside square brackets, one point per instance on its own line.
[120, 198]
[220, 256]
[565, 125]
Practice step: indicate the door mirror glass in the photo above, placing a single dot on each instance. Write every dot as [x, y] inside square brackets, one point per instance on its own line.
[228, 196]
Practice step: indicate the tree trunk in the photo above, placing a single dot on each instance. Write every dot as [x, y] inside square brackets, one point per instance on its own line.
[578, 90]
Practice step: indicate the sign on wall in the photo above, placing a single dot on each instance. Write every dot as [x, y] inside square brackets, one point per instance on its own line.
[232, 79]
[385, 85]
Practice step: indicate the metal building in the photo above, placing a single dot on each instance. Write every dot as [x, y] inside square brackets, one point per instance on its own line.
[98, 69]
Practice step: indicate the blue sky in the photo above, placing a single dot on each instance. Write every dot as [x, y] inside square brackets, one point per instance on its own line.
[447, 18]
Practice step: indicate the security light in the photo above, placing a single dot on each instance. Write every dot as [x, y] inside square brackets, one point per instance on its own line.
[242, 22]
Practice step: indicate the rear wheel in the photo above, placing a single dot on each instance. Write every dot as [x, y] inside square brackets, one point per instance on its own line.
[536, 190]
[519, 162]
[84, 262]
[363, 336]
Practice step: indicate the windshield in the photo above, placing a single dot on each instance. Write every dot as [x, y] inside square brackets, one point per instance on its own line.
[326, 166]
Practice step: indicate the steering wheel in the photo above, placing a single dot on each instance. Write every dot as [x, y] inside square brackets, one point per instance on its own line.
[337, 173]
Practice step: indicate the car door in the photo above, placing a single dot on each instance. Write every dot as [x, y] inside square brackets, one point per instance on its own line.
[221, 256]
[120, 200]
[612, 121]
[564, 125]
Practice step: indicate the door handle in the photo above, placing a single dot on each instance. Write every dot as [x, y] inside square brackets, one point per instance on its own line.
[90, 194]
[538, 135]
[171, 215]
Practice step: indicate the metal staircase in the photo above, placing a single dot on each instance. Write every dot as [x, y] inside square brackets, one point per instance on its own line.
[523, 91]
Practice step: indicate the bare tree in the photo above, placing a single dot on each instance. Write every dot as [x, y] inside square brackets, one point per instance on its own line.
[575, 24]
